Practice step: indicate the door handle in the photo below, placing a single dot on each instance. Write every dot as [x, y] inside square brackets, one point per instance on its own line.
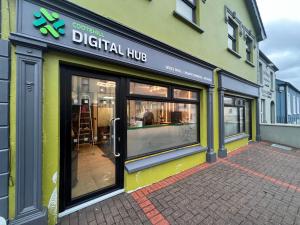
[114, 137]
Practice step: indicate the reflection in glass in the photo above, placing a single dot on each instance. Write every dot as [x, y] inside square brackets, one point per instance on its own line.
[231, 121]
[184, 94]
[248, 49]
[247, 117]
[241, 119]
[185, 10]
[93, 107]
[147, 89]
[154, 126]
[231, 29]
[237, 114]
[228, 101]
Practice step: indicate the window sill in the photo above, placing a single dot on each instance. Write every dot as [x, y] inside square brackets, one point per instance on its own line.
[249, 63]
[188, 22]
[155, 160]
[236, 138]
[234, 53]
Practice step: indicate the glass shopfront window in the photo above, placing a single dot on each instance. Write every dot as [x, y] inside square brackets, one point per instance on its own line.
[147, 89]
[236, 116]
[185, 94]
[161, 124]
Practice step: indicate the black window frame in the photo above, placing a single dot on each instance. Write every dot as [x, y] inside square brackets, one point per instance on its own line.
[169, 99]
[235, 37]
[239, 103]
[147, 83]
[192, 4]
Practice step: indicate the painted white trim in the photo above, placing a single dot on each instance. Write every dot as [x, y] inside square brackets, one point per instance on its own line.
[89, 203]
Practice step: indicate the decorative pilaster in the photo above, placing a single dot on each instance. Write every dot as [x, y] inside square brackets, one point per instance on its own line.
[210, 155]
[29, 209]
[222, 153]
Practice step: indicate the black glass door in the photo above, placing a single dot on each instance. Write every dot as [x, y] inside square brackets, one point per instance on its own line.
[91, 162]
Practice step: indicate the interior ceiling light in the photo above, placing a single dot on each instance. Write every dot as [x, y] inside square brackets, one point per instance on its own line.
[106, 84]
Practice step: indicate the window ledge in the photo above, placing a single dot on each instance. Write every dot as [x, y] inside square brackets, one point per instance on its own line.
[236, 138]
[151, 161]
[188, 22]
[234, 53]
[249, 63]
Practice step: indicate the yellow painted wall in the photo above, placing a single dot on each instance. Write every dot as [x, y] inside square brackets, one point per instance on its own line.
[236, 144]
[209, 46]
[8, 20]
[12, 130]
[254, 120]
[146, 17]
[51, 123]
[154, 174]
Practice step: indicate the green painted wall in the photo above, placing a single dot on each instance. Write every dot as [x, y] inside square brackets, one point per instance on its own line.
[12, 136]
[149, 176]
[51, 138]
[172, 32]
[147, 16]
[236, 144]
[8, 20]
[254, 120]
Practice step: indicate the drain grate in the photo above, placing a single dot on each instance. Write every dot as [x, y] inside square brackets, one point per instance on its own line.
[286, 148]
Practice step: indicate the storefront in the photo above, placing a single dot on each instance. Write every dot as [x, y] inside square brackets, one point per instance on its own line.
[100, 109]
[97, 109]
[238, 104]
[108, 119]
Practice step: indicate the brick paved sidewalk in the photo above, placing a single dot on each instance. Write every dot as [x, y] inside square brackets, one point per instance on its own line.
[257, 184]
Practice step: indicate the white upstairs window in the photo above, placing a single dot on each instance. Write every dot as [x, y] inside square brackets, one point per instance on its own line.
[294, 105]
[288, 104]
[298, 109]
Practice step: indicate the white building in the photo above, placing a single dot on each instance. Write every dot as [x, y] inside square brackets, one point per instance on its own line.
[267, 80]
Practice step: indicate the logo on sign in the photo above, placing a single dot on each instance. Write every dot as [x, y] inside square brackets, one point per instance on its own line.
[49, 23]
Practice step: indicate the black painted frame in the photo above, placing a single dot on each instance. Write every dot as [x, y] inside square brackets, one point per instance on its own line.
[241, 106]
[66, 72]
[169, 98]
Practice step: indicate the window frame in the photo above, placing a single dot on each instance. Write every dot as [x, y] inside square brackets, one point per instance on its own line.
[260, 72]
[169, 99]
[272, 80]
[294, 105]
[234, 39]
[288, 104]
[298, 100]
[249, 48]
[234, 104]
[193, 6]
[147, 83]
[263, 110]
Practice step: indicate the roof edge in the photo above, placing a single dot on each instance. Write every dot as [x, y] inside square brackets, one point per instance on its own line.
[255, 16]
[264, 57]
[289, 84]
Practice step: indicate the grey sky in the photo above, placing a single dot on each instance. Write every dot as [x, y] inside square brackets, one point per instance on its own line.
[282, 24]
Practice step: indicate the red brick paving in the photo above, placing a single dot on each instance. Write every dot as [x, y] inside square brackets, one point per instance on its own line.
[256, 184]
[156, 217]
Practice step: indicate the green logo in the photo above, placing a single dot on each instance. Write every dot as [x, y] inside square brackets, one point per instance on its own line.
[49, 23]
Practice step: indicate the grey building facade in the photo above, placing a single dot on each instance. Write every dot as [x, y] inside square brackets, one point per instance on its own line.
[266, 79]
